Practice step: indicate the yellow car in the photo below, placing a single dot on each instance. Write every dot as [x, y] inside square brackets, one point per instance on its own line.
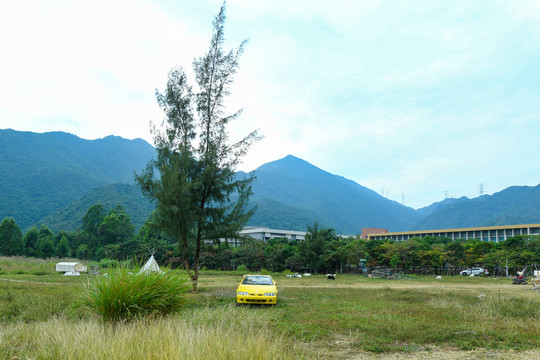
[257, 289]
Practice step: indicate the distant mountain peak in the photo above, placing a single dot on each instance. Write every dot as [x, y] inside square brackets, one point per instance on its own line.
[291, 163]
[331, 199]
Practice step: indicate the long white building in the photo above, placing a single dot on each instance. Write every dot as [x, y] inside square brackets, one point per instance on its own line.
[487, 233]
[265, 234]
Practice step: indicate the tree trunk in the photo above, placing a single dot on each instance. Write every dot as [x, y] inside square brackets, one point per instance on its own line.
[195, 280]
[195, 277]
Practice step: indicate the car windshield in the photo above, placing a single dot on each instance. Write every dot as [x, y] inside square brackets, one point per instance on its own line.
[257, 280]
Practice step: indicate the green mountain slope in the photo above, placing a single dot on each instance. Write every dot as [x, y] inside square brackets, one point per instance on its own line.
[128, 196]
[53, 178]
[512, 206]
[332, 200]
[277, 215]
[42, 173]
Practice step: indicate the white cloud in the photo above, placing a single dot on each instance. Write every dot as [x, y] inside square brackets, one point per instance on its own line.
[414, 97]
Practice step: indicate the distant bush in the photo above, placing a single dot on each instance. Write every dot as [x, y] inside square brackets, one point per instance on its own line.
[122, 295]
[242, 268]
[108, 264]
[265, 272]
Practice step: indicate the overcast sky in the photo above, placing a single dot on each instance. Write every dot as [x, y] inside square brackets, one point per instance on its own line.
[416, 100]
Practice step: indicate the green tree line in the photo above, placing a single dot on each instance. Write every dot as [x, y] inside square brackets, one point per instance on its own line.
[110, 235]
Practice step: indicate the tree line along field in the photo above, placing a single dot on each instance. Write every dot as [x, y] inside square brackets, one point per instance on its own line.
[109, 237]
[353, 317]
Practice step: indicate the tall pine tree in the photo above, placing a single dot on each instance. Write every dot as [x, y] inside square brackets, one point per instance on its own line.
[198, 195]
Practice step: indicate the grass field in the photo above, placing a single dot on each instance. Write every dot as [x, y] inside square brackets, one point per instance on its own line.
[352, 317]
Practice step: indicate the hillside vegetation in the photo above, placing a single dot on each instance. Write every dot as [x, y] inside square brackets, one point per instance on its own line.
[333, 200]
[42, 173]
[514, 205]
[69, 218]
[53, 178]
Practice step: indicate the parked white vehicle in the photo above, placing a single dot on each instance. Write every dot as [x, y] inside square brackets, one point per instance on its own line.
[475, 271]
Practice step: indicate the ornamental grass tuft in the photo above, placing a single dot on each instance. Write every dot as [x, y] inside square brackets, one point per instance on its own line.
[123, 295]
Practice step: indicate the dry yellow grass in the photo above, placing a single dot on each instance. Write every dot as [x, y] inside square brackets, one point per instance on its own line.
[199, 334]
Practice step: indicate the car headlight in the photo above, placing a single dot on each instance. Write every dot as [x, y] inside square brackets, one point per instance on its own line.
[242, 293]
[269, 294]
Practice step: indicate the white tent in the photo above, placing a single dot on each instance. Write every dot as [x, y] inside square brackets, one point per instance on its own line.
[71, 268]
[150, 266]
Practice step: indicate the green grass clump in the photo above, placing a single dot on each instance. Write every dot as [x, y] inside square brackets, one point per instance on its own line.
[123, 295]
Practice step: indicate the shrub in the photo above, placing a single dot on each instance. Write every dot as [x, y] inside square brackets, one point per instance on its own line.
[242, 268]
[122, 295]
[265, 272]
[100, 253]
[108, 264]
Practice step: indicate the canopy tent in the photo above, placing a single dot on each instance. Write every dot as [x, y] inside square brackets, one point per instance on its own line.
[150, 266]
[71, 268]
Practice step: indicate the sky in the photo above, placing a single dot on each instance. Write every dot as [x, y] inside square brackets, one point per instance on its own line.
[416, 100]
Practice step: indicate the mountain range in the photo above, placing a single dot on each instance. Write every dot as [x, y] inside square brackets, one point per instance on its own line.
[53, 178]
[43, 173]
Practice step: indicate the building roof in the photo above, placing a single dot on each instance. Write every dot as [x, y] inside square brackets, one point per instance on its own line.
[255, 229]
[500, 227]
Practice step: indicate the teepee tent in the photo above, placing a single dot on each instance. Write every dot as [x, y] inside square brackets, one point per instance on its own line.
[150, 266]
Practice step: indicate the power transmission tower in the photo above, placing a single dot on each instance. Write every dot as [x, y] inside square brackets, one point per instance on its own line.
[403, 198]
[481, 189]
[445, 195]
